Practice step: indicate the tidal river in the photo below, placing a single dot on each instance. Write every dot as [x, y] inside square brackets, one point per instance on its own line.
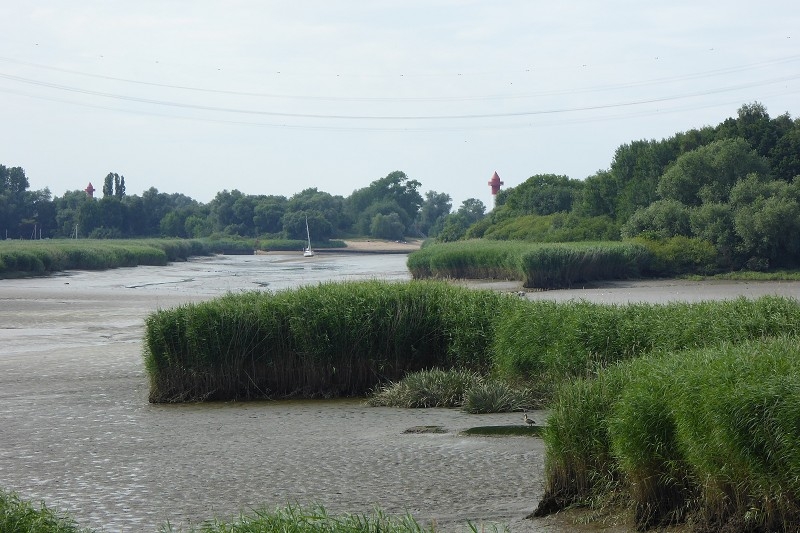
[77, 432]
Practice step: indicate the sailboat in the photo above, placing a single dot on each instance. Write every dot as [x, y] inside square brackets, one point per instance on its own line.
[308, 252]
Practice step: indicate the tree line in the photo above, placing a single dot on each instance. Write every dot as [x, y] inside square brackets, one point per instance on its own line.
[388, 208]
[732, 188]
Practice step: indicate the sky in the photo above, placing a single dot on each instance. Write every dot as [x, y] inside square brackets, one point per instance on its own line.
[277, 96]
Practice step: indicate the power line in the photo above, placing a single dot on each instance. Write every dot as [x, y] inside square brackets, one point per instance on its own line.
[197, 107]
[643, 83]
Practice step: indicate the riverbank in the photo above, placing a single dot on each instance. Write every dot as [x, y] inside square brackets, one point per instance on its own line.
[373, 246]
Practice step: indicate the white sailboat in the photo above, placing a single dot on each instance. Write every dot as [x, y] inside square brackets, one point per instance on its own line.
[308, 252]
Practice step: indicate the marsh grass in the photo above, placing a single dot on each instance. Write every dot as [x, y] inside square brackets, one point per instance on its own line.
[547, 342]
[333, 339]
[42, 257]
[537, 265]
[472, 392]
[427, 388]
[497, 396]
[297, 519]
[711, 433]
[20, 516]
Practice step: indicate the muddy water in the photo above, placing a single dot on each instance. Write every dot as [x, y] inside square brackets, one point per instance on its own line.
[76, 429]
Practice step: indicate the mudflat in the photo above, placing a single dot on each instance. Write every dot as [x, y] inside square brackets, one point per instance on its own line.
[77, 431]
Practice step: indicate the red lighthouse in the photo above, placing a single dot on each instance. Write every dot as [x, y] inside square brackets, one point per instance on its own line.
[495, 184]
[89, 190]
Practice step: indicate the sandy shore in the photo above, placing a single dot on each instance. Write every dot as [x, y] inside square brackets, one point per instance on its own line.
[378, 247]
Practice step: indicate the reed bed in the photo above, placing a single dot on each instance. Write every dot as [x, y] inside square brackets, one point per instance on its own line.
[537, 265]
[711, 434]
[333, 339]
[20, 516]
[27, 258]
[548, 341]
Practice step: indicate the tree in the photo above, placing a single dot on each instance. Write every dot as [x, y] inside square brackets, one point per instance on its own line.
[636, 168]
[708, 173]
[267, 214]
[108, 185]
[294, 225]
[432, 212]
[387, 227]
[713, 222]
[785, 156]
[119, 186]
[767, 220]
[661, 219]
[13, 186]
[323, 204]
[598, 196]
[456, 224]
[542, 194]
[395, 189]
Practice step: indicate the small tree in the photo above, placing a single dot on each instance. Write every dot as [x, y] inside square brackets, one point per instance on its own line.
[387, 227]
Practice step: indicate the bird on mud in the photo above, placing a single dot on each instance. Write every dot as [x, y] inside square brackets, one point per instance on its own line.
[529, 421]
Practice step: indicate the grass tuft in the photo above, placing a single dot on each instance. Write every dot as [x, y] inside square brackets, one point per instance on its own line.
[19, 516]
[297, 519]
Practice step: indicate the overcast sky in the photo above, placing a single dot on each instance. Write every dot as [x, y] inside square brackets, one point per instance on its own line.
[273, 97]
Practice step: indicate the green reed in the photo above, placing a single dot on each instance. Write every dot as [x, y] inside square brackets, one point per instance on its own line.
[547, 341]
[298, 519]
[41, 257]
[712, 433]
[333, 339]
[537, 265]
[20, 516]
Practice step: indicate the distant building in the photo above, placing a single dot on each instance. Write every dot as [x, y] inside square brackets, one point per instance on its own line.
[90, 189]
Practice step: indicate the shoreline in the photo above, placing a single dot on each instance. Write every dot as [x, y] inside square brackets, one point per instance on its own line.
[369, 246]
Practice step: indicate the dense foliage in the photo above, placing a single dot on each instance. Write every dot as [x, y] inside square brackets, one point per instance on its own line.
[389, 208]
[735, 186]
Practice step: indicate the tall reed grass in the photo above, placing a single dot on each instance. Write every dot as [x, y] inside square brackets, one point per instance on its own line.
[537, 265]
[712, 433]
[26, 258]
[332, 339]
[550, 341]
